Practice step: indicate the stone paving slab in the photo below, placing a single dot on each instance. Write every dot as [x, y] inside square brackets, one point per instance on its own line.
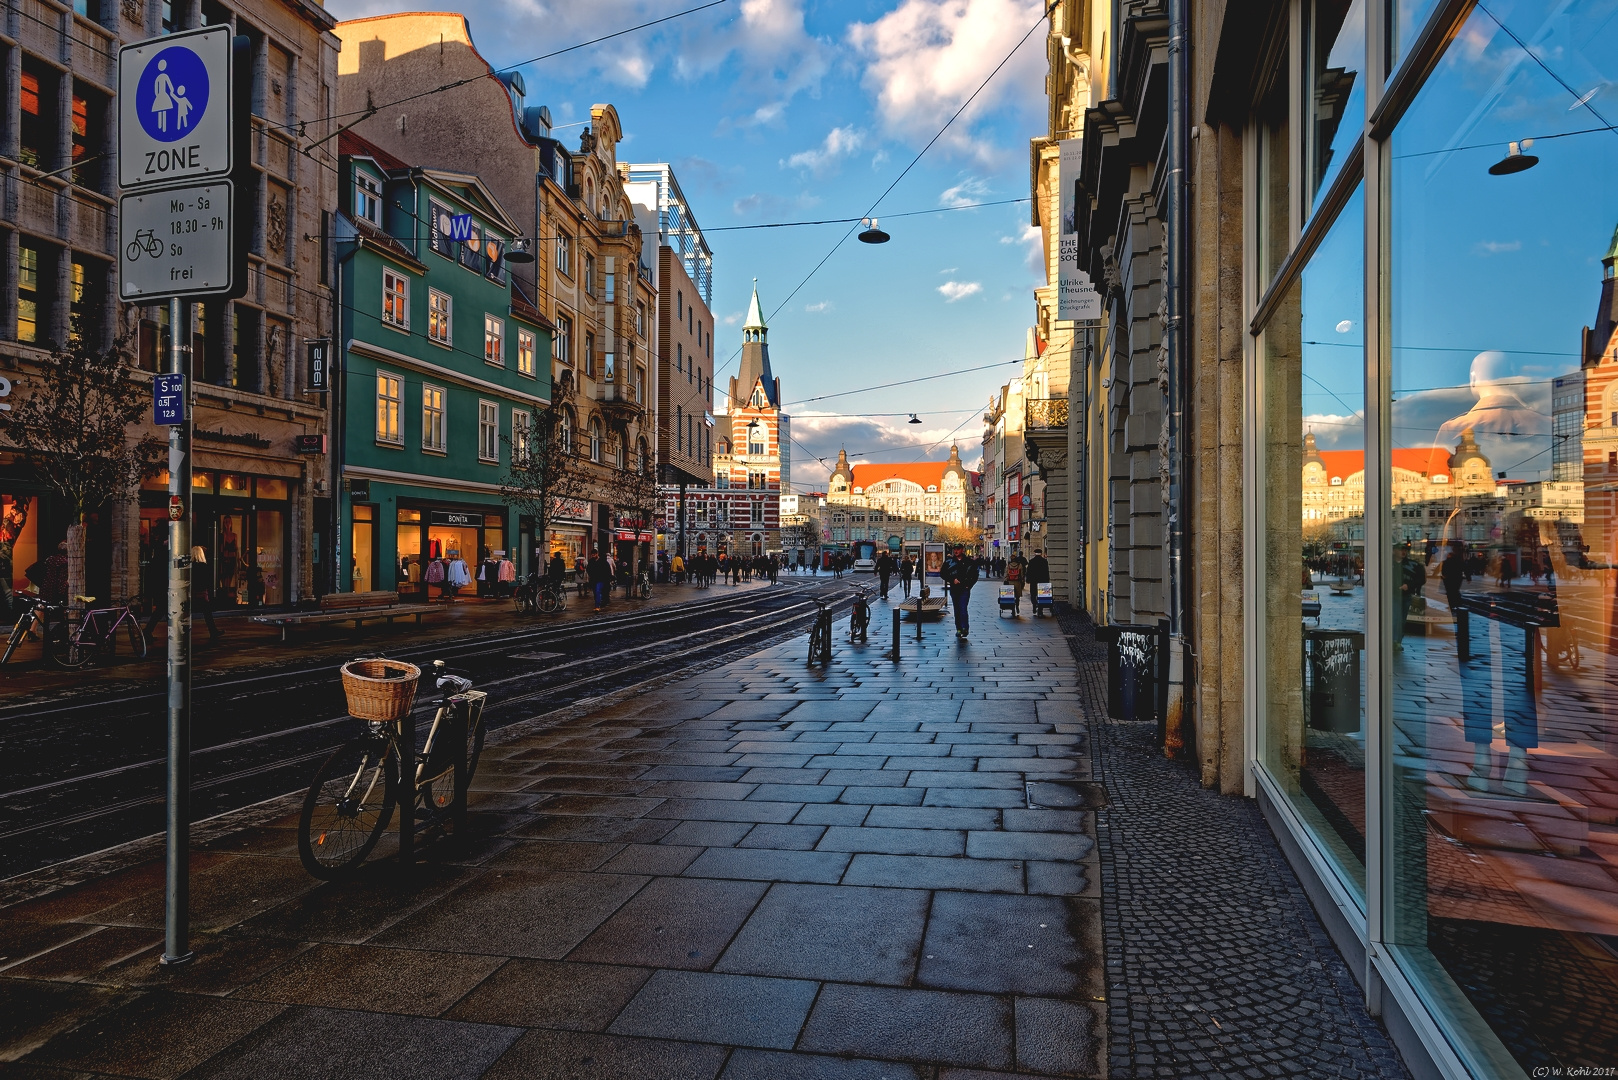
[871, 871]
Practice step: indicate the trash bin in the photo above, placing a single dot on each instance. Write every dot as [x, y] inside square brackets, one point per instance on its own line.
[1137, 671]
[1332, 663]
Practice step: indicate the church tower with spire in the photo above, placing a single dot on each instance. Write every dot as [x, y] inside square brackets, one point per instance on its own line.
[752, 462]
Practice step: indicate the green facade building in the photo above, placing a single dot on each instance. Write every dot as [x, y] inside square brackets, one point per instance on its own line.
[443, 367]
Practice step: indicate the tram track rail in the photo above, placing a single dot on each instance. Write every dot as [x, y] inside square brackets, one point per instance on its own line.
[66, 816]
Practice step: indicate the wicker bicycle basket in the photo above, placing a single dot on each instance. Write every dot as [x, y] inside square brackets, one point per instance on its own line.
[380, 689]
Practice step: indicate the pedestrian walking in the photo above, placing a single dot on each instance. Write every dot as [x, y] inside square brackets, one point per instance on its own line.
[884, 572]
[677, 567]
[1037, 573]
[1451, 571]
[557, 569]
[907, 571]
[1412, 576]
[1015, 576]
[960, 574]
[600, 574]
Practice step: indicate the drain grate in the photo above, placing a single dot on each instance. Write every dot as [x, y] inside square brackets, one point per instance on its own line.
[536, 655]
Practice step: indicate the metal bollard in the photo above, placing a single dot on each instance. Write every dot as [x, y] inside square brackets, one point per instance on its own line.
[895, 635]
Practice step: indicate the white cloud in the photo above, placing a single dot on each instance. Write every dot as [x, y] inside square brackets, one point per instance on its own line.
[948, 270]
[1033, 244]
[734, 317]
[819, 308]
[926, 57]
[973, 189]
[839, 143]
[1496, 247]
[959, 290]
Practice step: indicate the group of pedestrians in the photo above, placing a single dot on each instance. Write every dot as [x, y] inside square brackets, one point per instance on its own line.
[704, 569]
[907, 568]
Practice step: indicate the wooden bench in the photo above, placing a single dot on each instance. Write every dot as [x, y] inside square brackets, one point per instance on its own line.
[1527, 611]
[357, 608]
[918, 607]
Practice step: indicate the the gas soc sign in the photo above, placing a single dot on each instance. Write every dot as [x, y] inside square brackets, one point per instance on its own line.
[180, 145]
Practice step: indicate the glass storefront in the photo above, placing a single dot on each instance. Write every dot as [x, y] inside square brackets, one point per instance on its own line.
[425, 533]
[240, 521]
[1436, 582]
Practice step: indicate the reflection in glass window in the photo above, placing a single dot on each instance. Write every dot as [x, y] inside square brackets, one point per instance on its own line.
[1336, 55]
[1501, 571]
[1314, 381]
[1275, 176]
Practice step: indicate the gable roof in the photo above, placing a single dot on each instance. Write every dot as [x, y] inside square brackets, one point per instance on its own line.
[355, 145]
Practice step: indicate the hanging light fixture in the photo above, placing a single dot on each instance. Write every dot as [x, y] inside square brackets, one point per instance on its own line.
[517, 251]
[872, 234]
[1515, 161]
[914, 419]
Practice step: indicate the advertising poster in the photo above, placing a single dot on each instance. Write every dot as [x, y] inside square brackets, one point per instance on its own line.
[1076, 297]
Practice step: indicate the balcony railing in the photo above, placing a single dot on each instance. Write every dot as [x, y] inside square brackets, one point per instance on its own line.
[1046, 413]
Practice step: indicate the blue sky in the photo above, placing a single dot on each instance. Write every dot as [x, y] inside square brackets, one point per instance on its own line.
[786, 110]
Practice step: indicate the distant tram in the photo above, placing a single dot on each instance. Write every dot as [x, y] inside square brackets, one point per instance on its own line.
[864, 556]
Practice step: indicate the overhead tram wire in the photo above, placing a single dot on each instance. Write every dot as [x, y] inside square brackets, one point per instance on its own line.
[1045, 11]
[845, 220]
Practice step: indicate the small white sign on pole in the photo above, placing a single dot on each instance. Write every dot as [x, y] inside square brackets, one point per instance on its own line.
[175, 242]
[175, 108]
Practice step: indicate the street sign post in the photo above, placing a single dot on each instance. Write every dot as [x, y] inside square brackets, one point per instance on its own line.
[182, 146]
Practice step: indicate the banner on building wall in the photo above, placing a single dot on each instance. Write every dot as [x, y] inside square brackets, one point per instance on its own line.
[1076, 297]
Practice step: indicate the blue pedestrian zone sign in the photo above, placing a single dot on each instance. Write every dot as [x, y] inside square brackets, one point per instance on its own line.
[168, 400]
[171, 97]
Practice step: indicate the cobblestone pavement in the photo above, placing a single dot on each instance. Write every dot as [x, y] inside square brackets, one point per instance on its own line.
[1216, 963]
[873, 870]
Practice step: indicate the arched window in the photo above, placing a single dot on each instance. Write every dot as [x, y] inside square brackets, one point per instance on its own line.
[595, 439]
[621, 451]
[589, 194]
[564, 431]
[643, 460]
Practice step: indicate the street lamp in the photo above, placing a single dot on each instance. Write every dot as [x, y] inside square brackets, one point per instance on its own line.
[1515, 161]
[872, 234]
[914, 419]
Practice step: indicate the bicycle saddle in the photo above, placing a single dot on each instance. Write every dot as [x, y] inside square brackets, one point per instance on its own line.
[85, 599]
[454, 683]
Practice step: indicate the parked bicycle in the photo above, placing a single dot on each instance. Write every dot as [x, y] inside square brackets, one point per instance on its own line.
[859, 623]
[96, 636]
[356, 791]
[39, 619]
[643, 584]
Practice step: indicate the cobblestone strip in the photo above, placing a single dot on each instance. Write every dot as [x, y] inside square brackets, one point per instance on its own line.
[1216, 963]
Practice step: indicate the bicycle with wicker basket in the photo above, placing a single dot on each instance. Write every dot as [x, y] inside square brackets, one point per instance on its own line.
[356, 791]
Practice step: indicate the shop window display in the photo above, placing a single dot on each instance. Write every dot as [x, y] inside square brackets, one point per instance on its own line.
[1503, 556]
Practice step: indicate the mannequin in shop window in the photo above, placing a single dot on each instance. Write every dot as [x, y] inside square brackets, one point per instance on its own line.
[456, 574]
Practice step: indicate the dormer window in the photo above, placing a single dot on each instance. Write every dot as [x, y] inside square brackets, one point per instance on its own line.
[367, 198]
[1337, 481]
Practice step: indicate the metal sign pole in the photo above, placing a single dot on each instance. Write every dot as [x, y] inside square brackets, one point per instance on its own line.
[177, 892]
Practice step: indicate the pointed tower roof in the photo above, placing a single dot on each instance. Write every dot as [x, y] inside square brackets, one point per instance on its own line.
[755, 364]
[755, 315]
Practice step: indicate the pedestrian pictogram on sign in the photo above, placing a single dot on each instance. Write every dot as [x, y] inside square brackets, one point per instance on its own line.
[174, 108]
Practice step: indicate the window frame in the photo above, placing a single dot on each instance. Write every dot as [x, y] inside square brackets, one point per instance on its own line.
[434, 414]
[522, 434]
[488, 433]
[527, 352]
[389, 409]
[395, 299]
[440, 319]
[494, 340]
[367, 194]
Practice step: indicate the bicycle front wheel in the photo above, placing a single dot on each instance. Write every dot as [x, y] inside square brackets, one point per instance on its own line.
[547, 602]
[64, 648]
[347, 808]
[18, 632]
[137, 639]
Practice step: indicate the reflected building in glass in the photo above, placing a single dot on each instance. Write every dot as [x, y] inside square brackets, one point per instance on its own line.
[1400, 420]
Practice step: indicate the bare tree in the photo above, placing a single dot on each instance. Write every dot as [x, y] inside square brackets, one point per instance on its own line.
[546, 473]
[73, 426]
[634, 495]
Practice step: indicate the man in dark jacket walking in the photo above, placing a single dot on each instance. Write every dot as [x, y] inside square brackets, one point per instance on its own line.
[960, 574]
[884, 571]
[1038, 572]
[600, 574]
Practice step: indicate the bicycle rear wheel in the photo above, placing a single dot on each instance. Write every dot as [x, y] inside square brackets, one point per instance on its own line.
[438, 794]
[347, 808]
[64, 648]
[548, 601]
